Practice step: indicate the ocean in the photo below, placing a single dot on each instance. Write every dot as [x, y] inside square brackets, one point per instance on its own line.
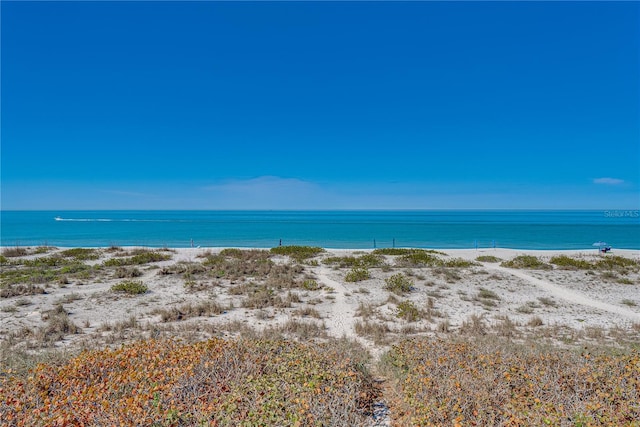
[329, 229]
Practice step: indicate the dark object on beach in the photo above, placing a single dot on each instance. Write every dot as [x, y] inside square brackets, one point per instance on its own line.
[280, 244]
[605, 249]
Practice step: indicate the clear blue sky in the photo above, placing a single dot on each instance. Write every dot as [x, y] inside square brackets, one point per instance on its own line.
[320, 105]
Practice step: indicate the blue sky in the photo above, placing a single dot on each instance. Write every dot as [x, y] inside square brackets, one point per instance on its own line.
[320, 105]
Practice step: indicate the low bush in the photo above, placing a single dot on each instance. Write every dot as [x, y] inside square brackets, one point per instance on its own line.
[399, 284]
[367, 260]
[420, 259]
[527, 261]
[408, 311]
[81, 254]
[571, 263]
[298, 253]
[488, 258]
[16, 251]
[141, 258]
[357, 274]
[310, 285]
[131, 287]
[613, 262]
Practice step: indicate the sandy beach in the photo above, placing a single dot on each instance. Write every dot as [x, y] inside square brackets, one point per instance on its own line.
[198, 293]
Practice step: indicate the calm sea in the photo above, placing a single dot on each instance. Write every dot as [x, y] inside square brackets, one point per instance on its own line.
[330, 229]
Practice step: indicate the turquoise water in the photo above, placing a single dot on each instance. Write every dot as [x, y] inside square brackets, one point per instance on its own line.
[330, 229]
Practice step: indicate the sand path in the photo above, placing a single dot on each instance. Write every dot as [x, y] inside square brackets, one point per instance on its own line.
[341, 321]
[571, 296]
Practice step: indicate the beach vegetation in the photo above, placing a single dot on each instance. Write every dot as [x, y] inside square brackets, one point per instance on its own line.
[449, 274]
[488, 258]
[378, 332]
[615, 262]
[487, 294]
[216, 382]
[127, 272]
[188, 310]
[458, 263]
[571, 263]
[420, 259]
[399, 284]
[15, 251]
[474, 325]
[408, 311]
[357, 274]
[308, 312]
[262, 296]
[298, 253]
[131, 287]
[549, 302]
[527, 262]
[528, 308]
[310, 285]
[81, 254]
[366, 310]
[12, 290]
[405, 251]
[44, 270]
[139, 258]
[477, 382]
[43, 249]
[183, 267]
[535, 322]
[58, 325]
[366, 260]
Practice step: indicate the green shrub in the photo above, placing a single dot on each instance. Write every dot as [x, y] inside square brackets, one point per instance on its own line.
[488, 258]
[49, 261]
[81, 254]
[404, 251]
[310, 285]
[527, 261]
[368, 260]
[571, 263]
[357, 274]
[131, 287]
[231, 252]
[399, 284]
[458, 263]
[421, 259]
[342, 261]
[138, 259]
[299, 253]
[615, 262]
[408, 311]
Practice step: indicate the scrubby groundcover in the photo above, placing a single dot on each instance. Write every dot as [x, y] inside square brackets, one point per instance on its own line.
[212, 383]
[463, 383]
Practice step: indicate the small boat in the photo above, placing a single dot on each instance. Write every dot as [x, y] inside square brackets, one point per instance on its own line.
[58, 218]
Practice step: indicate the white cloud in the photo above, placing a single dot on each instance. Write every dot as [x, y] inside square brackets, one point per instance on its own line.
[608, 181]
